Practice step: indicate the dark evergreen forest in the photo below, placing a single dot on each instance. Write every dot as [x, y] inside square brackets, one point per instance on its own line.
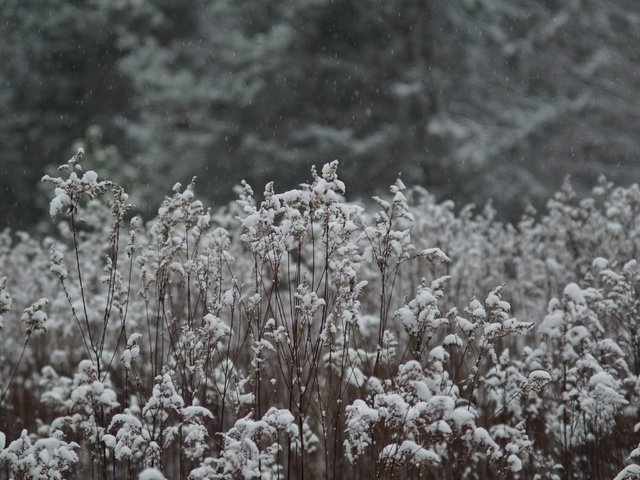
[472, 99]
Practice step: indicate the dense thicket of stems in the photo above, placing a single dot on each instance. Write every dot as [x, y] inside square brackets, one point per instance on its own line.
[303, 336]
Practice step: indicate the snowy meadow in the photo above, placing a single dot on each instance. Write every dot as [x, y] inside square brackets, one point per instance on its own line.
[299, 335]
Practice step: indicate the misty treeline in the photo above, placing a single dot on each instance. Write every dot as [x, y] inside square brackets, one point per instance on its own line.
[457, 95]
[305, 336]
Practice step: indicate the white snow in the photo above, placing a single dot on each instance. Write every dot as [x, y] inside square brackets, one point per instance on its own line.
[630, 472]
[599, 263]
[59, 203]
[462, 417]
[435, 255]
[539, 376]
[602, 378]
[453, 339]
[574, 293]
[151, 474]
[515, 464]
[90, 177]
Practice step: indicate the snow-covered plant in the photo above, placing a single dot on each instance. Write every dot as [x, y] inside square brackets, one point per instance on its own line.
[429, 414]
[299, 334]
[5, 300]
[35, 316]
[194, 432]
[421, 317]
[588, 372]
[252, 447]
[163, 402]
[89, 400]
[131, 437]
[42, 459]
[632, 470]
[389, 247]
[151, 474]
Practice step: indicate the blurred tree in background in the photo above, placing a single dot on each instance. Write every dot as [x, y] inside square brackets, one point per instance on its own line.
[475, 99]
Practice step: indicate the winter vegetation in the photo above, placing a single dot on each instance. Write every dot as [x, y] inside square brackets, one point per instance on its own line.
[301, 335]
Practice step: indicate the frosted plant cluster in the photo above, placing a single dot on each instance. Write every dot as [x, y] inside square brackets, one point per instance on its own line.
[298, 335]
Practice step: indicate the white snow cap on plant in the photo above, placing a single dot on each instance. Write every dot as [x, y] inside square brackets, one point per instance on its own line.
[5, 300]
[574, 293]
[412, 451]
[34, 317]
[151, 474]
[462, 417]
[538, 379]
[515, 464]
[435, 255]
[630, 471]
[59, 203]
[539, 376]
[132, 351]
[599, 263]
